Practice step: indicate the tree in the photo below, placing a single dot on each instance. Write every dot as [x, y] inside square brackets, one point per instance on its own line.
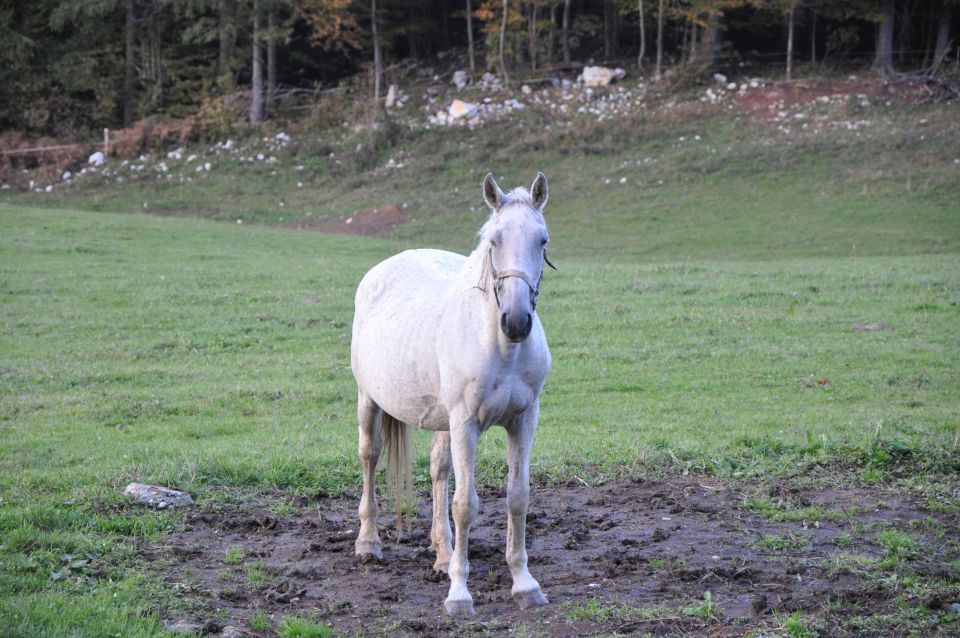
[883, 60]
[659, 67]
[790, 23]
[227, 40]
[565, 32]
[943, 35]
[271, 56]
[473, 64]
[256, 81]
[503, 35]
[643, 36]
[129, 66]
[377, 61]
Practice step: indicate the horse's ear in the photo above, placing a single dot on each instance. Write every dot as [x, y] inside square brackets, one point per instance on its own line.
[538, 192]
[492, 194]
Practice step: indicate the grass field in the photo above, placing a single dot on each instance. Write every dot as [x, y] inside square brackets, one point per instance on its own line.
[713, 323]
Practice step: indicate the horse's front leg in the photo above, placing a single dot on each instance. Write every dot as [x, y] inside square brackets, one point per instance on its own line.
[440, 536]
[463, 450]
[526, 590]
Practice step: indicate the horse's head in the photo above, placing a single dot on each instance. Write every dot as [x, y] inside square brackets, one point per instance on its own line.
[516, 242]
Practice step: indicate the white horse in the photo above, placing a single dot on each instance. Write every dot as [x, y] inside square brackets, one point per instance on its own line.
[452, 344]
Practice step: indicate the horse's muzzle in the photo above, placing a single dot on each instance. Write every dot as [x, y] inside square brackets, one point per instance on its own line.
[516, 326]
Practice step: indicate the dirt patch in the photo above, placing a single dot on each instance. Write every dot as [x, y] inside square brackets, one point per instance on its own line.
[625, 558]
[373, 222]
[764, 103]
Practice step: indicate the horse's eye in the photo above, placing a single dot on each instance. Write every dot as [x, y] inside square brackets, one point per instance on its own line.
[543, 242]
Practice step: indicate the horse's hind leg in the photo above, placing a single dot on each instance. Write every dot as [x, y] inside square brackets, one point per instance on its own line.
[368, 416]
[440, 536]
[526, 590]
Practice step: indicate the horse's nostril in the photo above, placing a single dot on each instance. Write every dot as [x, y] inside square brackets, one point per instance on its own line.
[503, 321]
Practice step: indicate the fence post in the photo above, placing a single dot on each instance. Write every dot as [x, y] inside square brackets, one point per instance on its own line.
[106, 142]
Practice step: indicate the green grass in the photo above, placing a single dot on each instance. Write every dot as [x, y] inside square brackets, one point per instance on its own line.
[775, 543]
[297, 627]
[598, 610]
[705, 324]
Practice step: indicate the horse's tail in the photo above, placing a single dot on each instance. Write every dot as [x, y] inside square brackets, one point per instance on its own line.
[396, 439]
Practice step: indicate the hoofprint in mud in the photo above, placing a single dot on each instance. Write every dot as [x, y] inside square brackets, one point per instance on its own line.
[452, 344]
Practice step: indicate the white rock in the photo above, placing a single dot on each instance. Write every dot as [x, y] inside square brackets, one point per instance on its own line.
[67, 175]
[97, 159]
[156, 495]
[391, 96]
[282, 137]
[49, 188]
[191, 158]
[229, 144]
[526, 90]
[719, 78]
[207, 166]
[459, 109]
[732, 86]
[599, 75]
[460, 79]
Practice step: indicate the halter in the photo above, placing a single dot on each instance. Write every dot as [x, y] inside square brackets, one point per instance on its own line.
[499, 275]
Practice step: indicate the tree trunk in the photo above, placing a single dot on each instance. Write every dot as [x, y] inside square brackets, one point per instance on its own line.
[256, 82]
[708, 46]
[129, 68]
[473, 64]
[659, 67]
[532, 39]
[608, 28]
[643, 38]
[943, 38]
[552, 34]
[228, 40]
[813, 36]
[883, 62]
[503, 35]
[690, 43]
[271, 58]
[377, 61]
[565, 32]
[790, 25]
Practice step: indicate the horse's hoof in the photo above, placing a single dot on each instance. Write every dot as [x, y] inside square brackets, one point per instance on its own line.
[459, 608]
[532, 598]
[441, 565]
[368, 551]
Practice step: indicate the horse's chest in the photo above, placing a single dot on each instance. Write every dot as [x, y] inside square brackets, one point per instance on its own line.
[504, 398]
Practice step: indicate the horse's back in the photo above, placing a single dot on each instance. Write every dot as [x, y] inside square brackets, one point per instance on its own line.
[411, 277]
[393, 348]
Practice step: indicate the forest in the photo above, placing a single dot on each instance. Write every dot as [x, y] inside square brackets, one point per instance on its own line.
[71, 67]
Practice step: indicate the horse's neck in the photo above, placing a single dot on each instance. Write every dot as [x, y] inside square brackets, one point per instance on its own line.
[475, 270]
[478, 278]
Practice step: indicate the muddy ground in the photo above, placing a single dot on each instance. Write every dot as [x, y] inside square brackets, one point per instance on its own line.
[622, 558]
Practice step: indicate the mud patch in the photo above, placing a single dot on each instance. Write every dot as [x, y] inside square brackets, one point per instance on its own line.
[624, 558]
[764, 103]
[373, 222]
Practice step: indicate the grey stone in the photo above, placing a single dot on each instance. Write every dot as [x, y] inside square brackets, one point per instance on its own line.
[182, 627]
[157, 496]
